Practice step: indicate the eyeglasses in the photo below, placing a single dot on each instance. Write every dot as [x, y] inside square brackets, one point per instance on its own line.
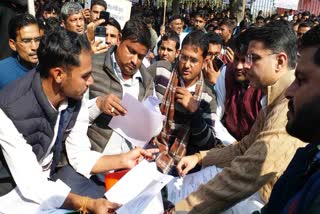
[213, 54]
[28, 41]
[183, 58]
[252, 58]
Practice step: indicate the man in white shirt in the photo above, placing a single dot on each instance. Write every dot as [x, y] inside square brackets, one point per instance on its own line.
[118, 72]
[32, 139]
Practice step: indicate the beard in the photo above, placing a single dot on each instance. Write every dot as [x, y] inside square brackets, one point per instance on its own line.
[304, 124]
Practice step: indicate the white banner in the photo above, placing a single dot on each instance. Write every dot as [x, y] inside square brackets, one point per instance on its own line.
[291, 4]
[120, 10]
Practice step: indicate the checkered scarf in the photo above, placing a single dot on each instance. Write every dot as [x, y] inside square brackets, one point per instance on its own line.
[173, 139]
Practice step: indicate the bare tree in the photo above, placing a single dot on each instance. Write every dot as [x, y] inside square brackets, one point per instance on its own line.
[175, 7]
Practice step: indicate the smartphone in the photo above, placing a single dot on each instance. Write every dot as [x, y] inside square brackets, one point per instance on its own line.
[217, 63]
[104, 15]
[100, 34]
[87, 4]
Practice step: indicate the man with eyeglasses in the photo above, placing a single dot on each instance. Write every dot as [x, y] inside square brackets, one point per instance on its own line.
[188, 104]
[24, 39]
[238, 103]
[250, 167]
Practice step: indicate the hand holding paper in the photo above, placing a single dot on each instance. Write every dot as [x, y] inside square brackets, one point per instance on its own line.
[135, 156]
[141, 122]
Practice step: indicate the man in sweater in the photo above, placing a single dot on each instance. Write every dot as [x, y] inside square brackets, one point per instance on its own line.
[116, 73]
[252, 165]
[187, 102]
[297, 190]
[24, 38]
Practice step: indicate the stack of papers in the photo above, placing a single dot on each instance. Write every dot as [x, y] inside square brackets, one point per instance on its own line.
[139, 191]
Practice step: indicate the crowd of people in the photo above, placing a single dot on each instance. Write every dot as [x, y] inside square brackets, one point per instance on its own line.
[239, 100]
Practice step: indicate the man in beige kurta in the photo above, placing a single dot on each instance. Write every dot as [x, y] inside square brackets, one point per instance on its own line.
[256, 162]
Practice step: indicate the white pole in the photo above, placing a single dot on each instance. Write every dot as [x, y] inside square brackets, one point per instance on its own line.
[164, 12]
[31, 9]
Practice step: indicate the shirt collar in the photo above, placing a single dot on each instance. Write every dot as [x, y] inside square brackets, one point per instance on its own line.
[63, 105]
[277, 89]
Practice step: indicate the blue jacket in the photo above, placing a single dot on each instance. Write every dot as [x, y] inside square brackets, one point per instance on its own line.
[10, 70]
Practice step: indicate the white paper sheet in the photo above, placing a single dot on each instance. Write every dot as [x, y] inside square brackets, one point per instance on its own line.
[180, 188]
[139, 190]
[141, 123]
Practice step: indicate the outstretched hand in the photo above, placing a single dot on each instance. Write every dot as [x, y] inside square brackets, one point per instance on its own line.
[133, 157]
[186, 164]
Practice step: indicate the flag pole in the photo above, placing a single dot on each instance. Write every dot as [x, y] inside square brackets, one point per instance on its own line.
[164, 12]
[31, 9]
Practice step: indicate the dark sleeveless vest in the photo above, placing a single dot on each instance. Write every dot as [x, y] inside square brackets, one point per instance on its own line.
[26, 105]
[241, 106]
[106, 82]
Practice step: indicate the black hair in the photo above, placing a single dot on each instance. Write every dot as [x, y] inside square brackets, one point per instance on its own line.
[19, 21]
[278, 36]
[174, 17]
[242, 41]
[244, 25]
[136, 30]
[41, 23]
[312, 39]
[99, 2]
[170, 35]
[214, 38]
[60, 49]
[201, 13]
[52, 24]
[199, 39]
[113, 22]
[306, 13]
[234, 19]
[148, 20]
[306, 24]
[259, 18]
[229, 23]
[51, 6]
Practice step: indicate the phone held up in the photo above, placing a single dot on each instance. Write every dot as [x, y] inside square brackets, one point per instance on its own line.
[100, 31]
[217, 63]
[104, 15]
